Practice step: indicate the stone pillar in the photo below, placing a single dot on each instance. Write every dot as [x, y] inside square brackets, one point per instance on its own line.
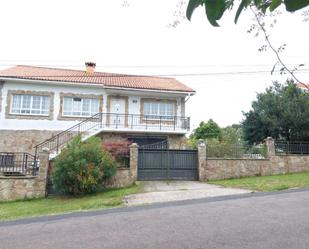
[43, 170]
[201, 155]
[133, 161]
[270, 144]
[275, 165]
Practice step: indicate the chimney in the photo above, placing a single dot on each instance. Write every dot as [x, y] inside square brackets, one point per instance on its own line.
[90, 66]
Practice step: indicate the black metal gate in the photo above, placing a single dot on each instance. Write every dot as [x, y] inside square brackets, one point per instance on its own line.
[166, 164]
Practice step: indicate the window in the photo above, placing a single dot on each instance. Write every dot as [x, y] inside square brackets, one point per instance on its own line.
[157, 110]
[30, 104]
[80, 107]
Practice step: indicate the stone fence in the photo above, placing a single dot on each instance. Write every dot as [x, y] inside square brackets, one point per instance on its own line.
[20, 187]
[12, 188]
[215, 169]
[126, 176]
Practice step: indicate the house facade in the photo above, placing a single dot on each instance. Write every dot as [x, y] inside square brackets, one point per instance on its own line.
[38, 103]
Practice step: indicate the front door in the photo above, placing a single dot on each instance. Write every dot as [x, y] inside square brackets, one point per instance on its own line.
[117, 109]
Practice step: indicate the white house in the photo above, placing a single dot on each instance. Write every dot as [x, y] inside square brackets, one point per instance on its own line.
[37, 103]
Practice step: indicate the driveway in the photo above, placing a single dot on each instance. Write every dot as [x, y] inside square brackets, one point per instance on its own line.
[164, 191]
[249, 221]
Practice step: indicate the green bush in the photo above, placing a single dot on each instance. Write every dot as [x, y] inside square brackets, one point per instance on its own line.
[82, 167]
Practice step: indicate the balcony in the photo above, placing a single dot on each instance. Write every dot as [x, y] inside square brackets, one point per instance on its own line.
[115, 122]
[145, 123]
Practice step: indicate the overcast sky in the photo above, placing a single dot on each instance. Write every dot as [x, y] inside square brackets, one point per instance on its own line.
[137, 39]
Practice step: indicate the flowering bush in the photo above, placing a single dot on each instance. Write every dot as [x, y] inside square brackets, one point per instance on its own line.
[120, 150]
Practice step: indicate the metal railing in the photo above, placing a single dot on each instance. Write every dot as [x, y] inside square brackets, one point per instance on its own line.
[236, 151]
[158, 145]
[114, 121]
[144, 122]
[55, 143]
[18, 164]
[290, 147]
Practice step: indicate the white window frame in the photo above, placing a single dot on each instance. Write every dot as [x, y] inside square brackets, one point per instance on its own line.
[31, 109]
[82, 99]
[157, 115]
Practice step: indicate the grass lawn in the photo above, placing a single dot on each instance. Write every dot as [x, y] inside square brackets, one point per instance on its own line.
[267, 183]
[56, 205]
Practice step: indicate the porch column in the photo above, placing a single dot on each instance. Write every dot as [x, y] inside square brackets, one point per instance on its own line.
[133, 161]
[201, 155]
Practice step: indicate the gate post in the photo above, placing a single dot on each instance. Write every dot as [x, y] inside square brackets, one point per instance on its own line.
[275, 164]
[270, 144]
[43, 170]
[201, 157]
[133, 161]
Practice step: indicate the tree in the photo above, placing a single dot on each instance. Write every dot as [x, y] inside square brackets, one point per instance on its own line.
[259, 16]
[232, 134]
[207, 130]
[215, 9]
[281, 112]
[221, 142]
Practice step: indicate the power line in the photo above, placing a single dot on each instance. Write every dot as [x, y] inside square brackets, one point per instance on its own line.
[227, 73]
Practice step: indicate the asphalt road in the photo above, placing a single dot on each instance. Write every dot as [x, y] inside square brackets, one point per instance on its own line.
[259, 221]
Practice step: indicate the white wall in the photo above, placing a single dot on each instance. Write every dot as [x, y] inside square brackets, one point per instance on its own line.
[18, 124]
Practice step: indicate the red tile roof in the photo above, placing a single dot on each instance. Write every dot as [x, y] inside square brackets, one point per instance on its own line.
[101, 78]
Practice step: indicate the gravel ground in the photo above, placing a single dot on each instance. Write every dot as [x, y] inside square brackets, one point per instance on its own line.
[164, 191]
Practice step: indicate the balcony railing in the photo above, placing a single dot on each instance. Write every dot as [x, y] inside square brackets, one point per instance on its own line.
[144, 122]
[17, 164]
[112, 122]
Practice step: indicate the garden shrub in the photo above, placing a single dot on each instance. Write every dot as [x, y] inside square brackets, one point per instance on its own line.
[82, 167]
[119, 149]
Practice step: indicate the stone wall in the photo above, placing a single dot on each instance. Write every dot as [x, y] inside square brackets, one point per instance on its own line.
[121, 179]
[234, 168]
[23, 140]
[14, 188]
[296, 163]
[126, 176]
[287, 164]
[215, 169]
[112, 135]
[177, 142]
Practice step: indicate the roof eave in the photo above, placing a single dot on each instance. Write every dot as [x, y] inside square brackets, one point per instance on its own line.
[84, 84]
[30, 81]
[151, 90]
